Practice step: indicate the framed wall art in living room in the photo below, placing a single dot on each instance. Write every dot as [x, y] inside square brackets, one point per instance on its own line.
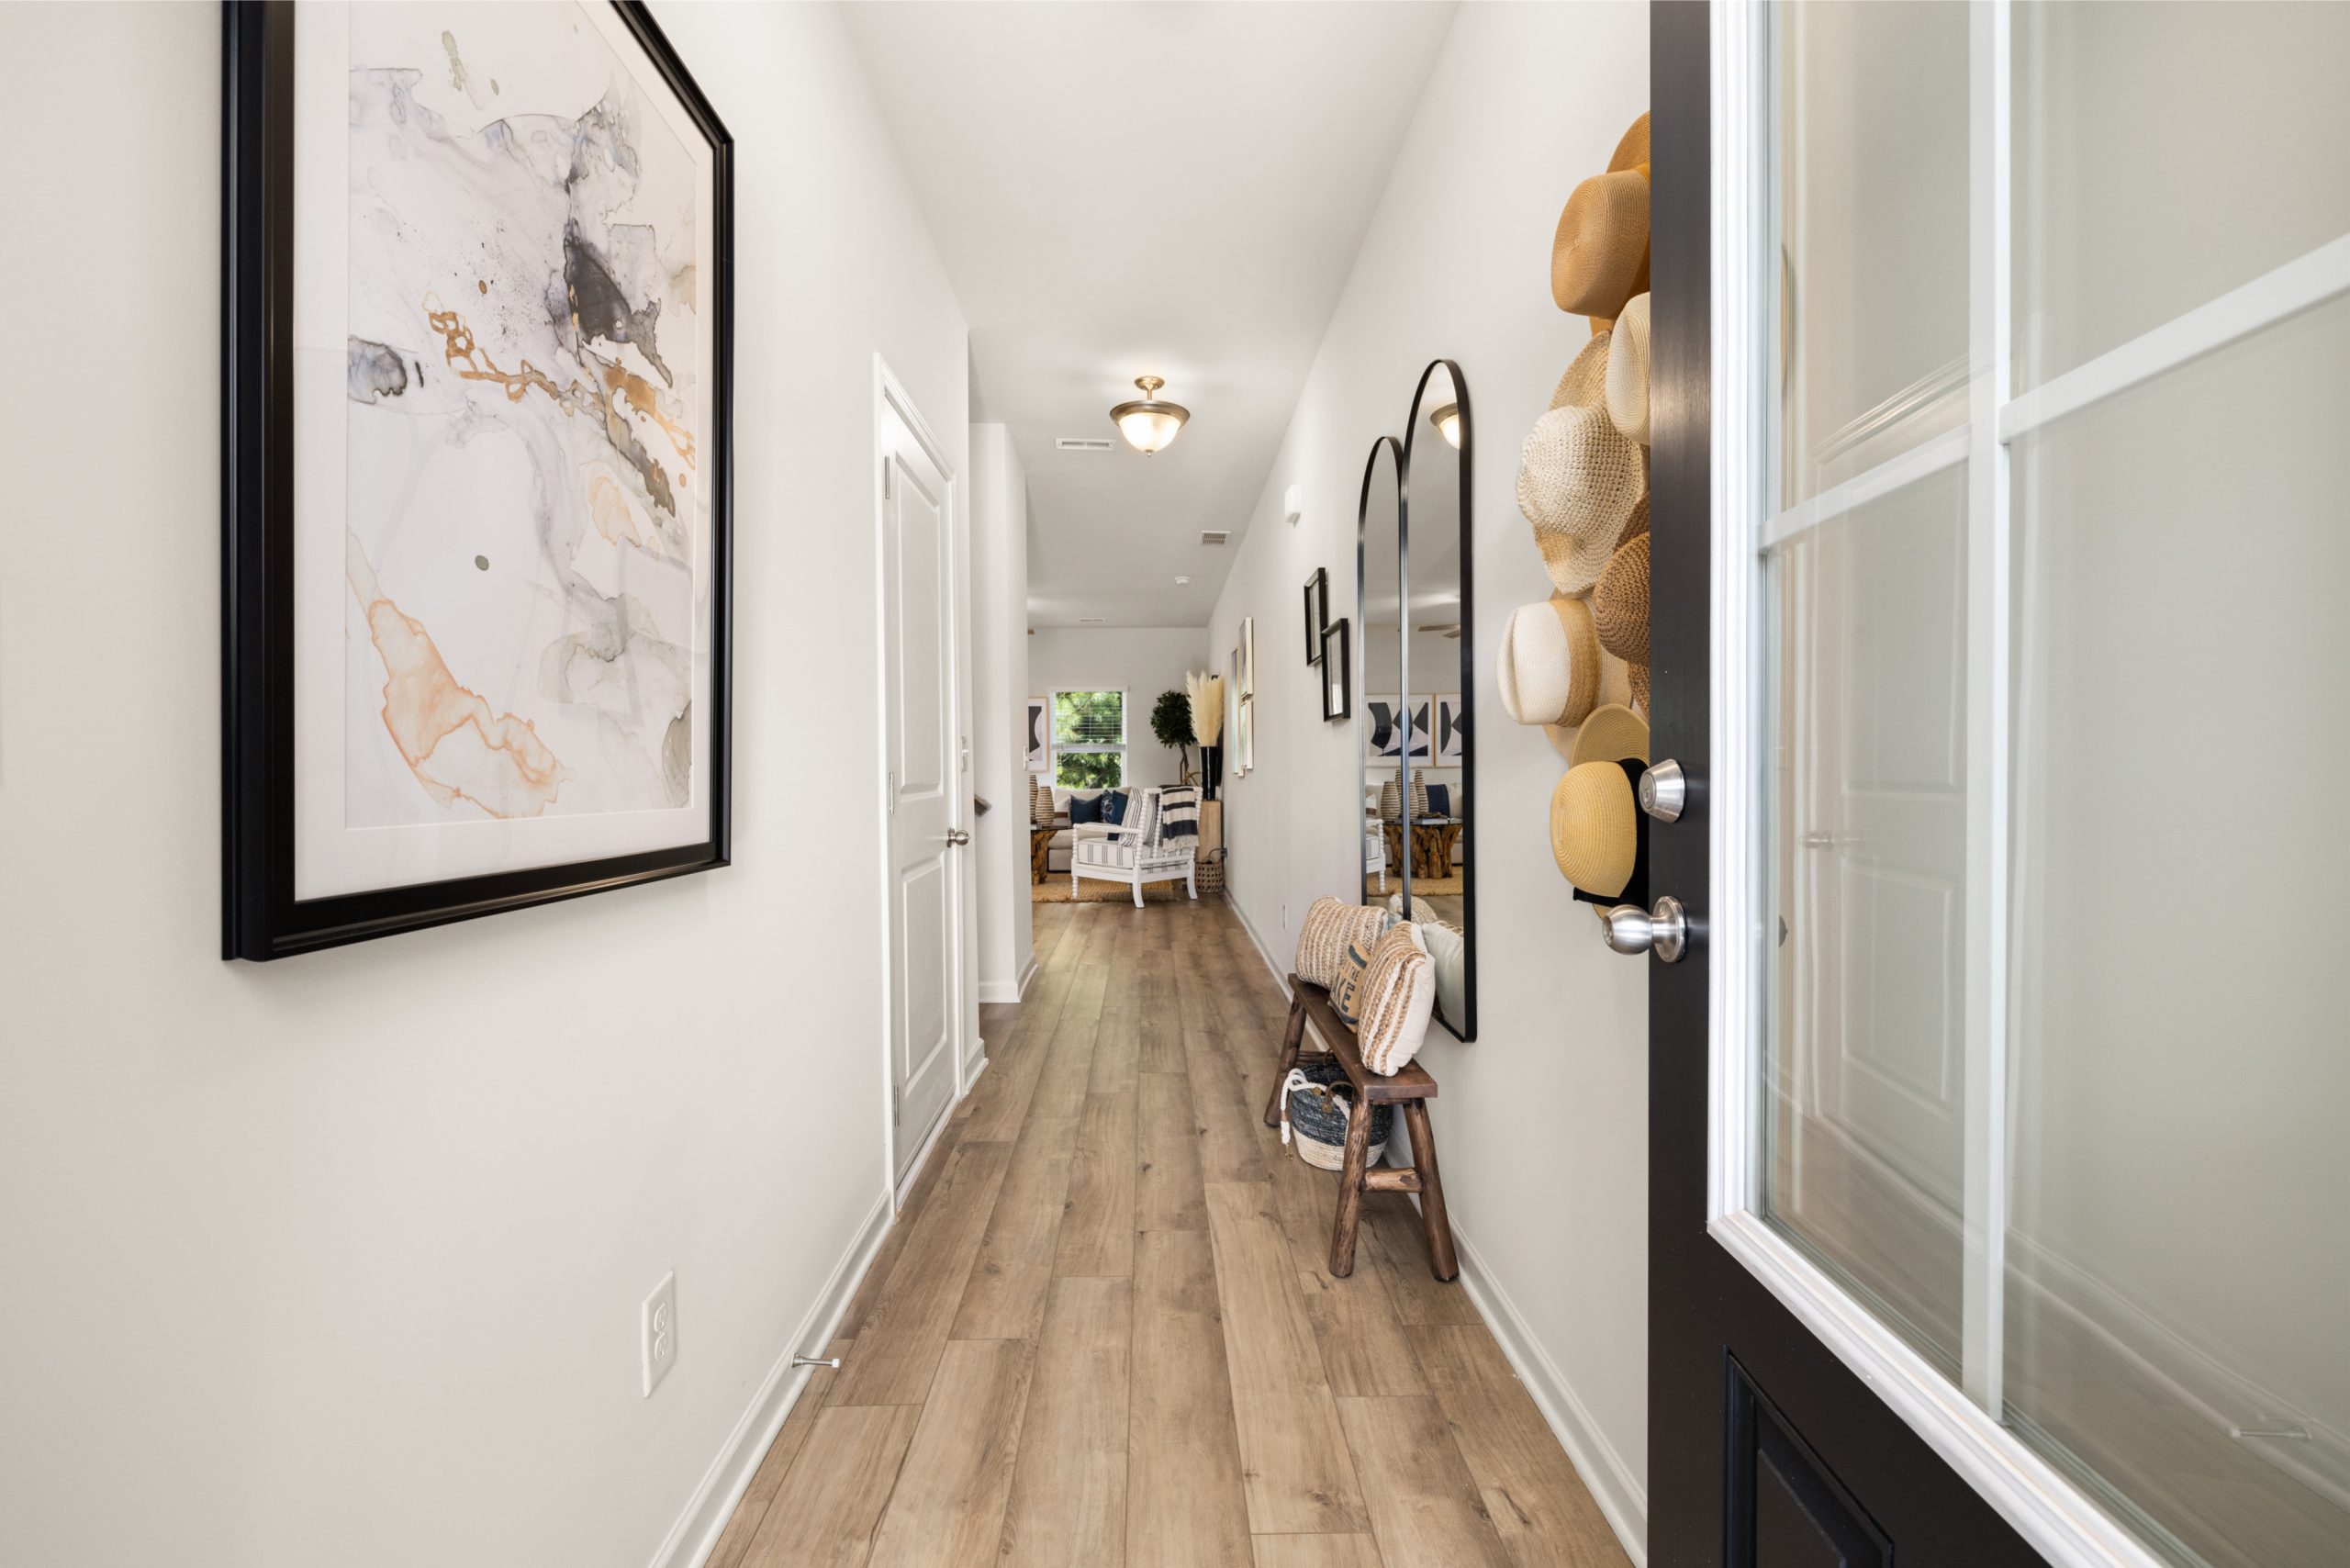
[479, 262]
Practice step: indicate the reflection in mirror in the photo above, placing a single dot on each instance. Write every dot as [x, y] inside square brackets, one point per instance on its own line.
[1378, 579]
[1436, 645]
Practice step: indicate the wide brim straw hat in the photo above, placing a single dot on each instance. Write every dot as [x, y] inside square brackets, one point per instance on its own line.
[1620, 602]
[1595, 829]
[1633, 149]
[1628, 370]
[1599, 254]
[1547, 667]
[1641, 688]
[1613, 733]
[1580, 479]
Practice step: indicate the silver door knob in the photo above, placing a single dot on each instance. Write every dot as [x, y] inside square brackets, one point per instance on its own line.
[1631, 929]
[1664, 790]
[957, 836]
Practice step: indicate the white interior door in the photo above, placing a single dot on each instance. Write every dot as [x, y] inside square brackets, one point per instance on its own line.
[919, 721]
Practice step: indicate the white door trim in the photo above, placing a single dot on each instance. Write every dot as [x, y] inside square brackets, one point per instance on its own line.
[891, 398]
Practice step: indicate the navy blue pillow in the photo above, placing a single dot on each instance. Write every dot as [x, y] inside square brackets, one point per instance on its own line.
[1440, 800]
[1082, 809]
[1113, 808]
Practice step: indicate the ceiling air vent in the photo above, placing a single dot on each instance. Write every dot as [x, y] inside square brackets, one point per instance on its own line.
[1215, 536]
[1091, 620]
[1083, 443]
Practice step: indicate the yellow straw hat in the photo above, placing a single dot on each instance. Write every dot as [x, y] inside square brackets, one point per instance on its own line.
[1612, 733]
[1614, 689]
[1596, 828]
[1601, 248]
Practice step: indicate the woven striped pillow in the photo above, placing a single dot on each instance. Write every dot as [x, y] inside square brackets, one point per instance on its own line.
[1347, 992]
[1329, 927]
[1399, 994]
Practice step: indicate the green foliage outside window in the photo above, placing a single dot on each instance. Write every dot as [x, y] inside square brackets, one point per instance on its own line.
[1090, 718]
[1088, 769]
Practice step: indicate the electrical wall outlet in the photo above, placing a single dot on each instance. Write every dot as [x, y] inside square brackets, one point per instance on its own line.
[657, 1330]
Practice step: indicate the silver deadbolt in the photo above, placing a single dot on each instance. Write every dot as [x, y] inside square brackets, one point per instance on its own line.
[1664, 790]
[957, 836]
[1631, 929]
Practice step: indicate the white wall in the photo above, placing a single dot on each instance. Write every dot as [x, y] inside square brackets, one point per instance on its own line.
[1143, 660]
[339, 1259]
[1007, 939]
[1544, 1120]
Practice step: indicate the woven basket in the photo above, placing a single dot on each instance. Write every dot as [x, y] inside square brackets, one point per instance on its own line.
[1314, 1108]
[1207, 871]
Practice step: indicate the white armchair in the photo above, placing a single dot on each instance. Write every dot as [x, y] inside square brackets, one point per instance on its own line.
[1133, 852]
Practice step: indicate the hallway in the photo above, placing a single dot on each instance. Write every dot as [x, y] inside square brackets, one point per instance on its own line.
[1103, 1331]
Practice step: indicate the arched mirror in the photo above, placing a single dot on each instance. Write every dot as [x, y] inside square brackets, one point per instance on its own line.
[1435, 644]
[1382, 731]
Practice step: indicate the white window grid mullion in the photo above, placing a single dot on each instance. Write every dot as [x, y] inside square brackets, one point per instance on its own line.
[1990, 332]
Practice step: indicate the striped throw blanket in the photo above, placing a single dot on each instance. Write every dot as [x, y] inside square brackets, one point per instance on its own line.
[1179, 814]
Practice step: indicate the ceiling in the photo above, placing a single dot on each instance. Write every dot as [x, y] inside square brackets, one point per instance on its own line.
[1117, 190]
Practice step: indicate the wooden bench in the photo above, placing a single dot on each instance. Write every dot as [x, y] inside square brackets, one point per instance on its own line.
[1409, 1090]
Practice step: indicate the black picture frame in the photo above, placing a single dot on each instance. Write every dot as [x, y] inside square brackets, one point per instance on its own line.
[1317, 612]
[261, 917]
[1337, 667]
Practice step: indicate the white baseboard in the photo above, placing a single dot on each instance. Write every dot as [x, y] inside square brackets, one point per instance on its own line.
[1008, 992]
[694, 1535]
[1621, 1496]
[1279, 971]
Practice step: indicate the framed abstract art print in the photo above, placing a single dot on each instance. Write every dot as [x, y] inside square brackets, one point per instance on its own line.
[478, 343]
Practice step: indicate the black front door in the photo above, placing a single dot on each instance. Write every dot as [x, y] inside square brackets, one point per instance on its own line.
[1764, 1449]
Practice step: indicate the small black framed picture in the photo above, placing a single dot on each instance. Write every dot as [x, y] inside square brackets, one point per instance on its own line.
[480, 354]
[1317, 612]
[1338, 659]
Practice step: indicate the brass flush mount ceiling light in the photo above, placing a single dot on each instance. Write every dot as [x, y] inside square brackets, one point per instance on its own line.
[1148, 424]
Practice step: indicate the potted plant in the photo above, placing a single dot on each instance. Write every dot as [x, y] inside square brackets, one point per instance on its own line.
[1171, 721]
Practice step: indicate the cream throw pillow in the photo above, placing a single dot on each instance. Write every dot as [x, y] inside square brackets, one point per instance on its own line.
[1398, 997]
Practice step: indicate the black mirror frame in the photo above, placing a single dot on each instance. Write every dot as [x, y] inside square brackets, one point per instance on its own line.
[1415, 429]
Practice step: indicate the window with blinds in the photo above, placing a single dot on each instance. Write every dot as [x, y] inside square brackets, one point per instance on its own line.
[1089, 739]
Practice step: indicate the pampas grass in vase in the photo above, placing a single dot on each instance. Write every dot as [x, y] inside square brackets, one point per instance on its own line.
[1206, 692]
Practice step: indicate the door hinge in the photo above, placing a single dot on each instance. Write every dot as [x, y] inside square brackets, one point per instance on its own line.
[889, 480]
[892, 788]
[897, 1103]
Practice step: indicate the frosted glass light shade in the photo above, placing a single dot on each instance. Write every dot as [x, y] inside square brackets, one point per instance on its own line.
[1148, 429]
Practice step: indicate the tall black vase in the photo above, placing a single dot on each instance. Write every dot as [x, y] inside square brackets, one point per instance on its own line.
[1211, 770]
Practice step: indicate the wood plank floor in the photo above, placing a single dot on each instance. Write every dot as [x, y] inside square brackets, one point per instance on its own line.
[1104, 1333]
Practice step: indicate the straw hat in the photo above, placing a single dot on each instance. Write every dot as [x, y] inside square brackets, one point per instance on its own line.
[1620, 602]
[1600, 251]
[1613, 733]
[1627, 370]
[1580, 479]
[1548, 664]
[1636, 524]
[1597, 834]
[1614, 690]
[1641, 688]
[1633, 151]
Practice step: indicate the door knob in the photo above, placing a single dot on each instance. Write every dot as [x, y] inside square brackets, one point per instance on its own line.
[1664, 790]
[1631, 929]
[956, 836]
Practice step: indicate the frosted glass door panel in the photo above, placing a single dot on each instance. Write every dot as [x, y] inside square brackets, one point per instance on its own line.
[2178, 1258]
[1865, 1099]
[2165, 154]
[1871, 219]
